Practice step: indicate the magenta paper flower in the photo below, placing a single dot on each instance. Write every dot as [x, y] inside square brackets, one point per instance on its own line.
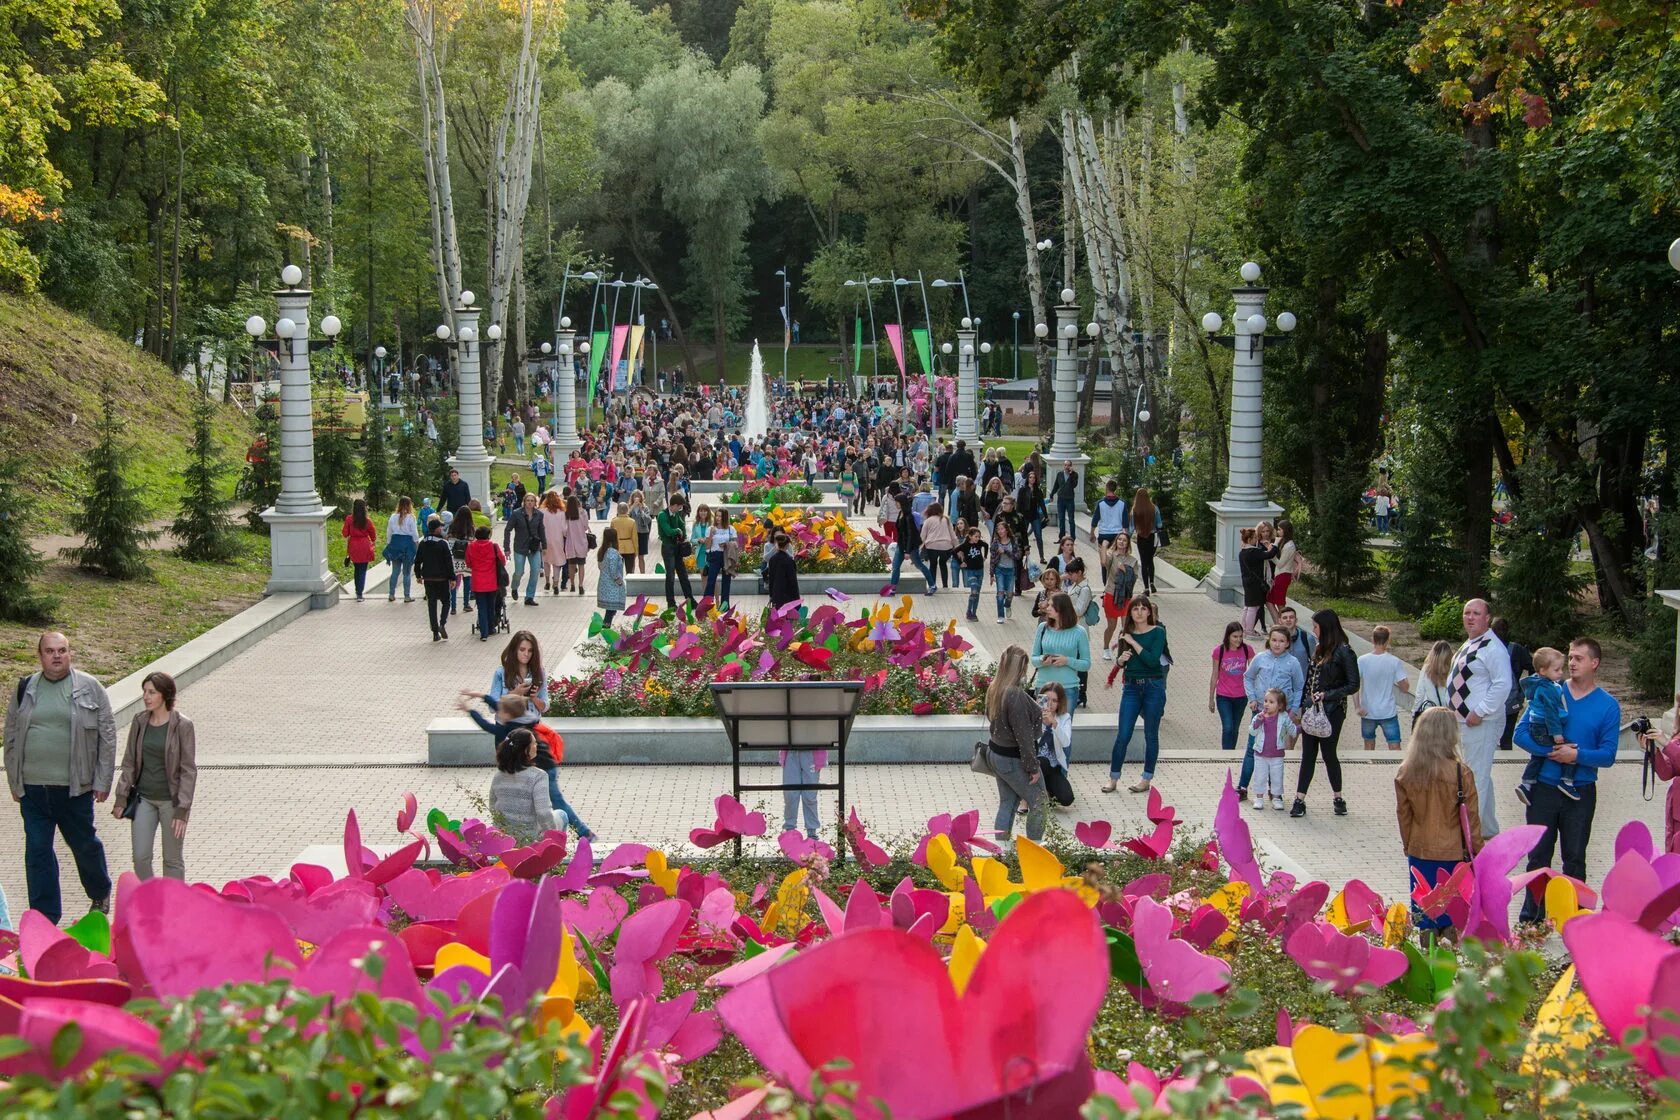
[1631, 976]
[647, 937]
[864, 848]
[1491, 888]
[883, 1001]
[962, 829]
[1174, 970]
[1235, 842]
[733, 823]
[1344, 961]
[796, 847]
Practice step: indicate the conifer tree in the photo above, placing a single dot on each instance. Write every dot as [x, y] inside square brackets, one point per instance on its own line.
[411, 460]
[262, 483]
[20, 565]
[204, 526]
[376, 465]
[335, 459]
[112, 514]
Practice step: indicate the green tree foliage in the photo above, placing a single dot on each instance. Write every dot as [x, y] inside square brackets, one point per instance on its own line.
[411, 461]
[1534, 586]
[112, 515]
[376, 463]
[21, 600]
[204, 525]
[335, 458]
[1651, 665]
[262, 479]
[1338, 534]
[437, 469]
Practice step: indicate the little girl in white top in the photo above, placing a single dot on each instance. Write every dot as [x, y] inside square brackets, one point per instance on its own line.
[1274, 732]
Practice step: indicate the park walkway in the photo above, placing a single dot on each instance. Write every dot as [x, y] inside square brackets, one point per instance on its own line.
[330, 714]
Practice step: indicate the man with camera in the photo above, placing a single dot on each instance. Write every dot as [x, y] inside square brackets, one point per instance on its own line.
[1592, 724]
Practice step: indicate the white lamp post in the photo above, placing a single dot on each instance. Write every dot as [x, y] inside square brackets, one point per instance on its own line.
[297, 520]
[471, 458]
[1244, 503]
[565, 391]
[1064, 446]
[967, 424]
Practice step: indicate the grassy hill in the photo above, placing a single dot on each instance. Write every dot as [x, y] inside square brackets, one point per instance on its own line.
[51, 366]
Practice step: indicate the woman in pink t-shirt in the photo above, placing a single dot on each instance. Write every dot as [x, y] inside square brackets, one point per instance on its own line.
[1225, 686]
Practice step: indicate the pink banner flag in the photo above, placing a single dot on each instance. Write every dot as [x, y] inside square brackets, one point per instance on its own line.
[895, 336]
[620, 333]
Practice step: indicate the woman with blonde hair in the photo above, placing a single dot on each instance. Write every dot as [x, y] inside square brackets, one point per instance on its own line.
[1014, 717]
[1435, 798]
[554, 530]
[1432, 690]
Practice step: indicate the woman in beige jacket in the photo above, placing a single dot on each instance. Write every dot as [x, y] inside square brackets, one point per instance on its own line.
[159, 774]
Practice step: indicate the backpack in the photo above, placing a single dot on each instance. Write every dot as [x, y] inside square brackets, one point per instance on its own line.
[551, 739]
[1093, 614]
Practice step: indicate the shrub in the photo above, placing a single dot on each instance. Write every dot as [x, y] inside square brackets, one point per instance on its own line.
[1535, 587]
[1651, 664]
[1444, 621]
[335, 459]
[1426, 564]
[376, 462]
[262, 485]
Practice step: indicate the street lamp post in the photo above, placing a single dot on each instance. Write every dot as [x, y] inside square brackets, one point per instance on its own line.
[1064, 447]
[1017, 317]
[471, 458]
[297, 520]
[787, 322]
[1244, 503]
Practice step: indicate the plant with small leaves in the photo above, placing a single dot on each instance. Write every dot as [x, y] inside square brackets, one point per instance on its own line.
[335, 459]
[262, 477]
[376, 462]
[112, 514]
[204, 525]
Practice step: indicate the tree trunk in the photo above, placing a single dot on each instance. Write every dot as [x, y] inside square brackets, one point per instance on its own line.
[324, 169]
[174, 357]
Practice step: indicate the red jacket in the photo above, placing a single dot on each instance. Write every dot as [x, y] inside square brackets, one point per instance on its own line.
[360, 548]
[482, 558]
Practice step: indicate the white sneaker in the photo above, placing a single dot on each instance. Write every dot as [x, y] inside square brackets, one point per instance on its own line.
[1277, 803]
[1108, 655]
[1000, 621]
[1257, 803]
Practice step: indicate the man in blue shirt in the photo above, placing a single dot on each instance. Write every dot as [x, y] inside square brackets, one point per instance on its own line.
[1591, 726]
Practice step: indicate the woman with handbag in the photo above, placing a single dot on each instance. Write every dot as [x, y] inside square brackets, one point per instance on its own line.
[158, 777]
[359, 537]
[609, 575]
[674, 549]
[1332, 676]
[1120, 564]
[718, 542]
[1144, 661]
[1435, 797]
[574, 541]
[1014, 718]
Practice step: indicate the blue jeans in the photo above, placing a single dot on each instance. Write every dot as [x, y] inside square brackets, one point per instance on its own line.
[1247, 774]
[1013, 788]
[1231, 709]
[1005, 588]
[800, 769]
[916, 559]
[403, 566]
[557, 800]
[1147, 698]
[1065, 526]
[715, 573]
[49, 808]
[519, 444]
[486, 615]
[1036, 528]
[521, 562]
[465, 594]
[973, 579]
[1390, 729]
[361, 579]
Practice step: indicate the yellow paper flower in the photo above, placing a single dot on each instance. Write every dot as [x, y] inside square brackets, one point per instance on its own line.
[942, 861]
[1228, 900]
[1040, 871]
[1565, 1029]
[1335, 1076]
[789, 904]
[1397, 923]
[1563, 903]
[965, 954]
[559, 1003]
[663, 875]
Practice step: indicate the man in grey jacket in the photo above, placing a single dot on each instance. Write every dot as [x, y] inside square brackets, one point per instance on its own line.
[524, 539]
[61, 750]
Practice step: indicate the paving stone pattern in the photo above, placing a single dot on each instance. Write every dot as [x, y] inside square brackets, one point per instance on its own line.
[331, 712]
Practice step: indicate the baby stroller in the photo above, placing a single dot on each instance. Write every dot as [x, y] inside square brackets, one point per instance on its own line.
[501, 615]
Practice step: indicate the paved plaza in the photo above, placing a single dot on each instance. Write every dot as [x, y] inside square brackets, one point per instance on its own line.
[331, 713]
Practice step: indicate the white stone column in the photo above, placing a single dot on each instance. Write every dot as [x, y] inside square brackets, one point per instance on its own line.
[1244, 503]
[1064, 446]
[967, 425]
[565, 395]
[472, 459]
[297, 520]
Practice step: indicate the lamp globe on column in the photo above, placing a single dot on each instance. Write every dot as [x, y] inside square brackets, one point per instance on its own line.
[1212, 321]
[1250, 272]
[583, 348]
[547, 348]
[967, 323]
[1143, 414]
[331, 325]
[1256, 324]
[493, 332]
[1093, 329]
[255, 326]
[466, 298]
[284, 328]
[565, 322]
[1286, 321]
[380, 352]
[1674, 254]
[967, 349]
[291, 276]
[985, 348]
[443, 332]
[1069, 331]
[1067, 295]
[944, 347]
[1041, 330]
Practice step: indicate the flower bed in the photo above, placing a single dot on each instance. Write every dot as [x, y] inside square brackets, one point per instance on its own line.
[787, 494]
[822, 544]
[664, 665]
[748, 474]
[1190, 985]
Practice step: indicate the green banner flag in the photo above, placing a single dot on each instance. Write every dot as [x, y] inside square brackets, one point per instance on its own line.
[857, 347]
[597, 352]
[924, 347]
